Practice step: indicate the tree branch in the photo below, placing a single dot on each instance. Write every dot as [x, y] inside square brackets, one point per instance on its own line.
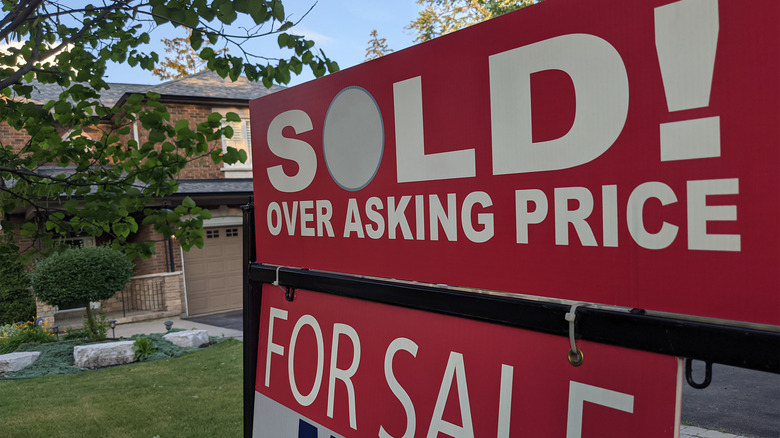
[17, 75]
[18, 18]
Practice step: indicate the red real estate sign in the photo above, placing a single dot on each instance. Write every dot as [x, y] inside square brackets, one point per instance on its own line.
[609, 151]
[331, 366]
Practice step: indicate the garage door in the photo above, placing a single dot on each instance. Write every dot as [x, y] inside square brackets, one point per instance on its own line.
[214, 273]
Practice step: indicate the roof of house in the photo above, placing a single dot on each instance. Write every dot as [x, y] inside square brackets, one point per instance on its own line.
[213, 186]
[209, 84]
[204, 85]
[187, 187]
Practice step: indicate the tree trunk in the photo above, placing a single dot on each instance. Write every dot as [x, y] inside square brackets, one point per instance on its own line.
[90, 321]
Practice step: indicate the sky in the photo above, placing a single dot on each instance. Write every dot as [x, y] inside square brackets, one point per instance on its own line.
[341, 28]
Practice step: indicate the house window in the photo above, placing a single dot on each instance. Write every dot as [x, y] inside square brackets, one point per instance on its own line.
[212, 234]
[79, 242]
[241, 140]
[231, 232]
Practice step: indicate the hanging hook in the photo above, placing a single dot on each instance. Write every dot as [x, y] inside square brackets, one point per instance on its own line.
[289, 292]
[276, 282]
[574, 355]
[689, 374]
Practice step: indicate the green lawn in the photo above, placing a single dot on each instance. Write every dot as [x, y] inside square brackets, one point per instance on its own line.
[198, 395]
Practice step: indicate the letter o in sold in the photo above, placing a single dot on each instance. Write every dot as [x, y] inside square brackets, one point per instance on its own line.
[353, 138]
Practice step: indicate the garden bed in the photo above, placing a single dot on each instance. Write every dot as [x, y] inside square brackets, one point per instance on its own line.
[57, 357]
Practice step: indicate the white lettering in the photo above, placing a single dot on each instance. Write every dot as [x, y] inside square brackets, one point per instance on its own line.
[505, 400]
[291, 149]
[526, 217]
[306, 400]
[343, 375]
[413, 164]
[373, 205]
[576, 217]
[609, 215]
[273, 348]
[457, 369]
[400, 393]
[307, 217]
[601, 89]
[579, 393]
[290, 217]
[324, 214]
[419, 210]
[397, 216]
[353, 222]
[635, 210]
[448, 219]
[484, 219]
[699, 213]
[274, 216]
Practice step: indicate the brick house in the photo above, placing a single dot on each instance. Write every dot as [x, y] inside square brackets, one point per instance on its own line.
[173, 282]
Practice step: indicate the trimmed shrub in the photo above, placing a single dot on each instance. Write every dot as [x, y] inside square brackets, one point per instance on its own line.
[17, 303]
[77, 276]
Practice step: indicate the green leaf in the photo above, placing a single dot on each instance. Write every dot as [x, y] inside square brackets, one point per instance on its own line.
[156, 136]
[243, 6]
[160, 14]
[188, 202]
[133, 224]
[278, 10]
[135, 99]
[181, 125]
[259, 13]
[232, 117]
[207, 53]
[282, 40]
[177, 15]
[196, 40]
[191, 18]
[226, 13]
[216, 156]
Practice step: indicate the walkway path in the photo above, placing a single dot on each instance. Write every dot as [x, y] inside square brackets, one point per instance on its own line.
[698, 432]
[158, 326]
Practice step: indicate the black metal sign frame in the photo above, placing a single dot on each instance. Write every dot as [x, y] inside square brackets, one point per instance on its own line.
[751, 348]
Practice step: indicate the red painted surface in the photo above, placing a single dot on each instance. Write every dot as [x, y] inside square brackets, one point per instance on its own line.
[537, 399]
[738, 283]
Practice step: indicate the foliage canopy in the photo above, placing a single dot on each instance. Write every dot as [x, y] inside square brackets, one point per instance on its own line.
[377, 47]
[102, 183]
[16, 301]
[440, 17]
[182, 59]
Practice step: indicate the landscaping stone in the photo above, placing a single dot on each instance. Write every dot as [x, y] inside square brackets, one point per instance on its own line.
[188, 338]
[103, 355]
[16, 361]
